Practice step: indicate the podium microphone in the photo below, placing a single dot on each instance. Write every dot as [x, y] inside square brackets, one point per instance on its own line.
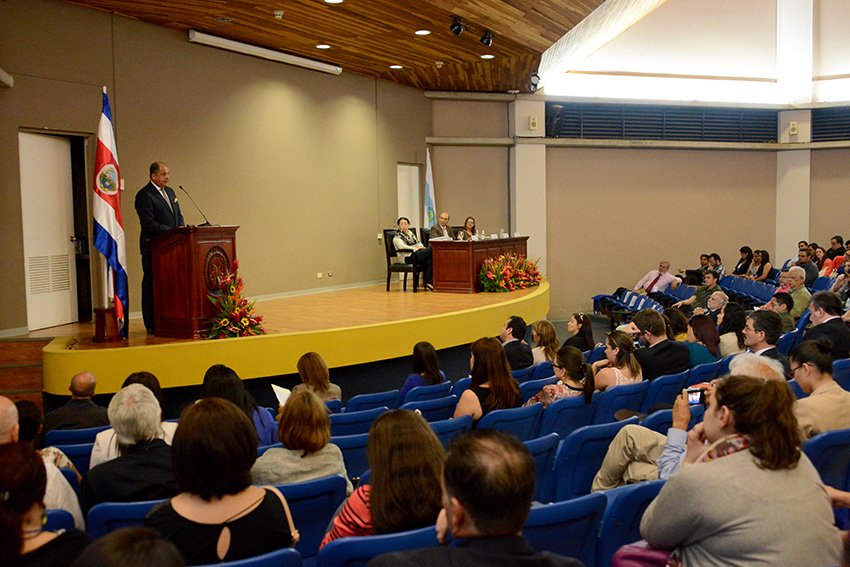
[196, 206]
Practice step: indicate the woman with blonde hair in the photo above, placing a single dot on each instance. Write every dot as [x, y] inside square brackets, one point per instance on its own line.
[406, 459]
[492, 385]
[316, 378]
[619, 366]
[305, 432]
[544, 334]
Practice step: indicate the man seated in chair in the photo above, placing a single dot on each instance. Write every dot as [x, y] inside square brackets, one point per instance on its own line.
[826, 308]
[657, 280]
[518, 352]
[442, 228]
[488, 485]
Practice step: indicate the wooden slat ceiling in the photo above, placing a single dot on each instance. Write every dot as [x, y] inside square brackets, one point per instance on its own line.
[367, 36]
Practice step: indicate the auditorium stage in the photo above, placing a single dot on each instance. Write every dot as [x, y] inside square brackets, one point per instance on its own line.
[347, 327]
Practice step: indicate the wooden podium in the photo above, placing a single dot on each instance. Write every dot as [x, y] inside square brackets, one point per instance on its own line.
[458, 262]
[187, 264]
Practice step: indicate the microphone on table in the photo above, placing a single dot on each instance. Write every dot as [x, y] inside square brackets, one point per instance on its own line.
[196, 206]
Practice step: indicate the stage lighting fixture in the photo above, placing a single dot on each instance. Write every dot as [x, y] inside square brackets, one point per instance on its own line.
[487, 38]
[533, 82]
[457, 26]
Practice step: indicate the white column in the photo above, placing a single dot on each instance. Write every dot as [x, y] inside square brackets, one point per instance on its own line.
[794, 49]
[527, 165]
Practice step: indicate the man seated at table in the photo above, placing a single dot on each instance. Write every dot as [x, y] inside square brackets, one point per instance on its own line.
[442, 228]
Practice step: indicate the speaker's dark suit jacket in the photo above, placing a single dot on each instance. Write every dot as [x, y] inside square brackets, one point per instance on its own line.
[838, 334]
[155, 215]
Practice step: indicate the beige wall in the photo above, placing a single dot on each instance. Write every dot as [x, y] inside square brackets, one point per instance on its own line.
[830, 190]
[613, 214]
[305, 162]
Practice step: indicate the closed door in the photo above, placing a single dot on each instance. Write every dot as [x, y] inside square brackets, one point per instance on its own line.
[48, 228]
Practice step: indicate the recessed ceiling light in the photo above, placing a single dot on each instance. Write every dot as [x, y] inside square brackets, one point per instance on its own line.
[396, 67]
[323, 46]
[333, 1]
[224, 20]
[422, 32]
[488, 56]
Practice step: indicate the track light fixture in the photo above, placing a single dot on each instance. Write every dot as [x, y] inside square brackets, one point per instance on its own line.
[533, 82]
[457, 26]
[487, 38]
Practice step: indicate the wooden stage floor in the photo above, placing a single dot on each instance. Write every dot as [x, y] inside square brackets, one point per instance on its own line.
[349, 326]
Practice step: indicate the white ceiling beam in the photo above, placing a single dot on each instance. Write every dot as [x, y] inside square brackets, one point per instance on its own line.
[6, 79]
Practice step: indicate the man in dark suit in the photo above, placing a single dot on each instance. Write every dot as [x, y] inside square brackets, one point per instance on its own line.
[826, 308]
[79, 413]
[488, 485]
[159, 211]
[442, 228]
[761, 333]
[519, 353]
[661, 356]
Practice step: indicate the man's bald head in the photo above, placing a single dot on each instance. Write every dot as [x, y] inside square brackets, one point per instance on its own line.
[83, 385]
[8, 421]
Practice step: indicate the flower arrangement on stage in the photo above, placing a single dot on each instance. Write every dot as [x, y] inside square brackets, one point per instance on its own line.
[509, 272]
[236, 317]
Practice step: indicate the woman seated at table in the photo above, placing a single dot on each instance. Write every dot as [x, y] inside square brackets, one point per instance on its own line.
[619, 367]
[222, 382]
[546, 338]
[220, 516]
[307, 454]
[408, 246]
[746, 493]
[468, 230]
[23, 539]
[492, 386]
[406, 459]
[575, 378]
[426, 368]
[581, 331]
[315, 377]
[703, 340]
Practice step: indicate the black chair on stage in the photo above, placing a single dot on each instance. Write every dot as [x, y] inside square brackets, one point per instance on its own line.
[396, 265]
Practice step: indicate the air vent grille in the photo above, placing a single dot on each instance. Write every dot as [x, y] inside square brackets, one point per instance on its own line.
[830, 124]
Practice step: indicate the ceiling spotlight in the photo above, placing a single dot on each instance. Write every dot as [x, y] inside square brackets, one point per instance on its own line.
[487, 38]
[533, 81]
[278, 14]
[396, 67]
[323, 46]
[422, 32]
[457, 26]
[333, 1]
[487, 56]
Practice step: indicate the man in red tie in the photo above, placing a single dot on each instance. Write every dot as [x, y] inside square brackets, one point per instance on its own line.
[657, 280]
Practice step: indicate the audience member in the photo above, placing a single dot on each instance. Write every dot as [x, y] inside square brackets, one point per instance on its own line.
[619, 367]
[660, 356]
[575, 378]
[468, 230]
[703, 340]
[106, 442]
[724, 505]
[513, 335]
[492, 385]
[406, 459]
[426, 368]
[219, 516]
[836, 247]
[30, 420]
[442, 228]
[840, 285]
[23, 539]
[408, 246]
[546, 341]
[798, 291]
[804, 261]
[143, 469]
[315, 378]
[730, 327]
[131, 547]
[678, 323]
[695, 277]
[715, 265]
[783, 281]
[222, 382]
[782, 303]
[305, 432]
[827, 407]
[580, 328]
[743, 264]
[657, 280]
[58, 492]
[488, 485]
[819, 258]
[637, 453]
[80, 412]
[765, 267]
[826, 309]
[716, 302]
[700, 298]
[761, 334]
